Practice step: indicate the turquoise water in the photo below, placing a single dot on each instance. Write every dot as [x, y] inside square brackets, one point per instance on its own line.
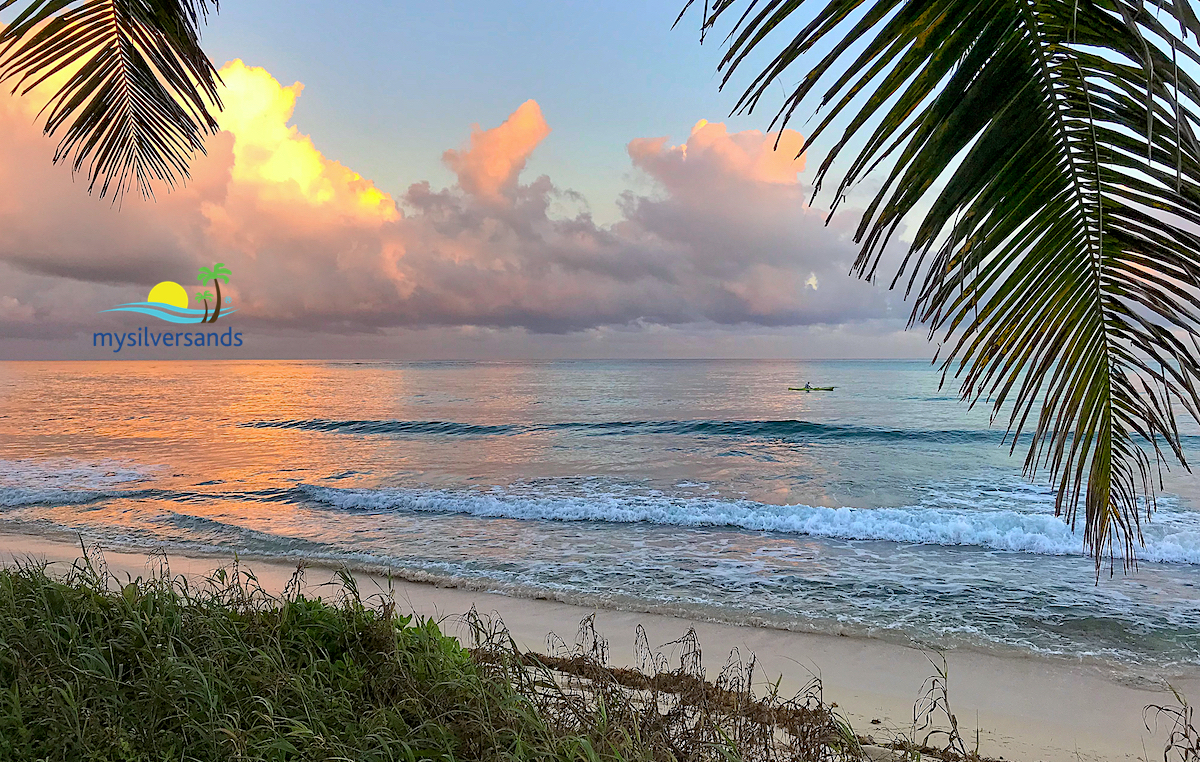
[884, 508]
[168, 312]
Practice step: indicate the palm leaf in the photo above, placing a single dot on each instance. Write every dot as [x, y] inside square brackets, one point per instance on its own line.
[1054, 145]
[138, 91]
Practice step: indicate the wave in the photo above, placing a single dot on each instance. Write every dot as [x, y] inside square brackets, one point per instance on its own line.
[1173, 538]
[447, 428]
[19, 497]
[67, 481]
[785, 430]
[167, 312]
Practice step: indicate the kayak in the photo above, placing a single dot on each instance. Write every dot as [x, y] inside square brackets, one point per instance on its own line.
[811, 389]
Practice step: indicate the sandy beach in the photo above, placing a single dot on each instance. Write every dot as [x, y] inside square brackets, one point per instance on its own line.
[1024, 708]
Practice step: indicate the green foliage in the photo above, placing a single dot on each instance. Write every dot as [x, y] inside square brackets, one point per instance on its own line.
[138, 92]
[92, 668]
[217, 271]
[204, 295]
[1053, 145]
[160, 670]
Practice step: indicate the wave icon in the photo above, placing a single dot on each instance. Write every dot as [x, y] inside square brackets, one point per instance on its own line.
[168, 312]
[169, 301]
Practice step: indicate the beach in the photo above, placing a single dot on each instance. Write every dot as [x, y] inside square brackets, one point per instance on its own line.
[1024, 708]
[530, 403]
[833, 533]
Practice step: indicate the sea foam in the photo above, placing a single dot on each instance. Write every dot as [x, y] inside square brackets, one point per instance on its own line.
[65, 481]
[1173, 537]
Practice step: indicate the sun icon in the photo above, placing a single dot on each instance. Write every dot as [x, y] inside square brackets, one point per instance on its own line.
[169, 292]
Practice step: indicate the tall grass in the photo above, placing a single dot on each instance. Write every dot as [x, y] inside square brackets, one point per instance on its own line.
[160, 668]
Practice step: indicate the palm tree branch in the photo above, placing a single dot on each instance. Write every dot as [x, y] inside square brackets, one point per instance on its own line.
[139, 92]
[1056, 144]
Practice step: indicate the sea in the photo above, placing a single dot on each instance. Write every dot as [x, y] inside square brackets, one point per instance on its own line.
[885, 508]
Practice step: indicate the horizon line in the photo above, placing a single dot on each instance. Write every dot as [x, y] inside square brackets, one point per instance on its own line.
[472, 360]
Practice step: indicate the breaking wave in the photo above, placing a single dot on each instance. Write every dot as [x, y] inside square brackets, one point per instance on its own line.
[1172, 538]
[65, 481]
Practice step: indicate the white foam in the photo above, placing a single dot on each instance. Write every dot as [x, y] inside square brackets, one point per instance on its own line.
[16, 497]
[1171, 538]
[64, 481]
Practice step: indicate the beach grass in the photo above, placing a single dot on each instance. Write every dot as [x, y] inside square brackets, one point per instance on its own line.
[160, 669]
[166, 668]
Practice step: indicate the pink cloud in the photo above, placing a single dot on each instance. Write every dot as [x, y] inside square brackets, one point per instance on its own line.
[489, 167]
[726, 238]
[711, 154]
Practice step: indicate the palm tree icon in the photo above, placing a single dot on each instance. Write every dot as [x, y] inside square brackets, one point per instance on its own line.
[217, 273]
[204, 296]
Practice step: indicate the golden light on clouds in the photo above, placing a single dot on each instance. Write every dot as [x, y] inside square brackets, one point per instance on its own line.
[722, 235]
[276, 157]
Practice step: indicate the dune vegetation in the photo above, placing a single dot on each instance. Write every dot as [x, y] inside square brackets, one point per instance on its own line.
[163, 668]
[166, 668]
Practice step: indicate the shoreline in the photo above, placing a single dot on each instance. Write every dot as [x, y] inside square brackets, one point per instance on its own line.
[1123, 673]
[1025, 706]
[1126, 673]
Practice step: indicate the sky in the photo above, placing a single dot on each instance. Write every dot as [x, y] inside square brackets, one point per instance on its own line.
[458, 180]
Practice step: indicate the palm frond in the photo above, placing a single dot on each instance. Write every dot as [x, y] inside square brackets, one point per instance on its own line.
[138, 92]
[1055, 145]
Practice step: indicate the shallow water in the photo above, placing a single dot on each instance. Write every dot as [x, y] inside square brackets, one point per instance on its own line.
[884, 507]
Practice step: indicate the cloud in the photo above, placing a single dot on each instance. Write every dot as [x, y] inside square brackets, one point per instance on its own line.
[724, 238]
[280, 165]
[489, 167]
[712, 154]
